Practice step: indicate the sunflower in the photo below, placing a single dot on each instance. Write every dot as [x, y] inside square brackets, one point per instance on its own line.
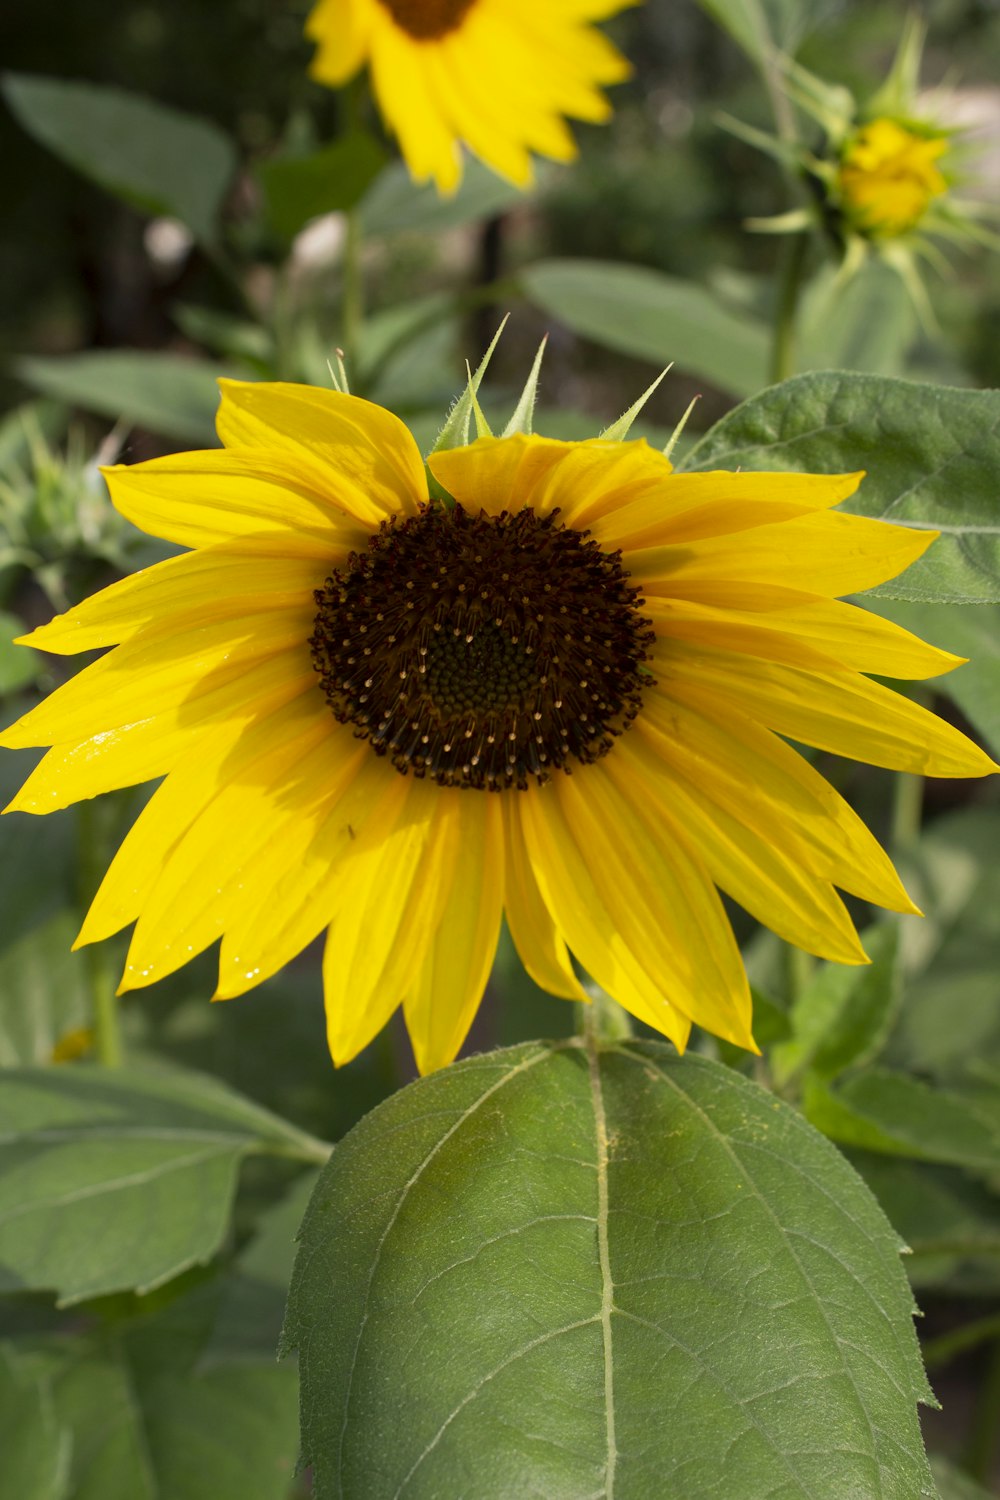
[562, 695]
[888, 176]
[498, 75]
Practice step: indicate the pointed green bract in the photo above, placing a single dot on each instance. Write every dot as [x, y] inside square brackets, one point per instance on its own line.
[619, 431]
[524, 411]
[455, 432]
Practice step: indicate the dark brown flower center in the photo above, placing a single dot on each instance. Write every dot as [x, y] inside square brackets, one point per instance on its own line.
[426, 20]
[483, 651]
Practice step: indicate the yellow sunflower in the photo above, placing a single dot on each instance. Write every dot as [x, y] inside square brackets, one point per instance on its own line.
[498, 75]
[888, 176]
[564, 697]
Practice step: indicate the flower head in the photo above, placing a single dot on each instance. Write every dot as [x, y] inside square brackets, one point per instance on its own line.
[563, 695]
[496, 75]
[889, 176]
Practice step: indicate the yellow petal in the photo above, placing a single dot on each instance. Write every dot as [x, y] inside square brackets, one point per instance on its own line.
[755, 777]
[827, 634]
[841, 712]
[201, 499]
[162, 671]
[826, 553]
[692, 507]
[215, 584]
[498, 474]
[271, 782]
[747, 857]
[539, 942]
[565, 869]
[341, 28]
[362, 449]
[361, 800]
[448, 984]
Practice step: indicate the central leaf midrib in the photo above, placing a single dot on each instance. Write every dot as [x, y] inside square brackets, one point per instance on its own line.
[607, 1284]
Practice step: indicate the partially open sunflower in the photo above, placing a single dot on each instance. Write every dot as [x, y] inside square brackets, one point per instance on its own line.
[498, 75]
[560, 695]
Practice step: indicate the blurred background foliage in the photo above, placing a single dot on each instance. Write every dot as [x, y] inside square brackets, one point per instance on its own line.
[115, 319]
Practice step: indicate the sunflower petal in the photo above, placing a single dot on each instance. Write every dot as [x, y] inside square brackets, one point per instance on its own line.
[536, 937]
[360, 449]
[448, 983]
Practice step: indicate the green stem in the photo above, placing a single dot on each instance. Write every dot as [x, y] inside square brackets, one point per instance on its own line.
[907, 810]
[789, 286]
[353, 307]
[799, 967]
[91, 861]
[603, 1020]
[986, 1423]
[942, 1350]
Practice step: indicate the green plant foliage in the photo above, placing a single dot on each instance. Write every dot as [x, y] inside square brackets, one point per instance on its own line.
[843, 1017]
[34, 1453]
[880, 1110]
[868, 323]
[167, 393]
[953, 1484]
[931, 455]
[18, 667]
[652, 316]
[112, 1181]
[950, 1222]
[299, 188]
[149, 1420]
[625, 1271]
[158, 159]
[951, 1013]
[395, 203]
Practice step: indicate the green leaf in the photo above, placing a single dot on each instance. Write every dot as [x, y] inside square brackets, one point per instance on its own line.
[44, 988]
[151, 1422]
[844, 1015]
[950, 956]
[760, 25]
[166, 393]
[973, 632]
[158, 159]
[252, 1298]
[868, 324]
[932, 454]
[395, 203]
[114, 1180]
[652, 316]
[546, 1273]
[881, 1110]
[19, 665]
[953, 1484]
[35, 1448]
[950, 1222]
[299, 188]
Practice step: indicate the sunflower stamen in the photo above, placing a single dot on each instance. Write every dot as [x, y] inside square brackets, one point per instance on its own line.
[471, 666]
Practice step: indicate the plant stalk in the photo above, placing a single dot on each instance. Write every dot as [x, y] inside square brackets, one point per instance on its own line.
[91, 861]
[783, 350]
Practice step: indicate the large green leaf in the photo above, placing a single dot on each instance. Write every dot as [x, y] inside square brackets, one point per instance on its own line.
[113, 1180]
[552, 1272]
[932, 454]
[34, 1449]
[395, 202]
[652, 316]
[158, 159]
[299, 188]
[168, 394]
